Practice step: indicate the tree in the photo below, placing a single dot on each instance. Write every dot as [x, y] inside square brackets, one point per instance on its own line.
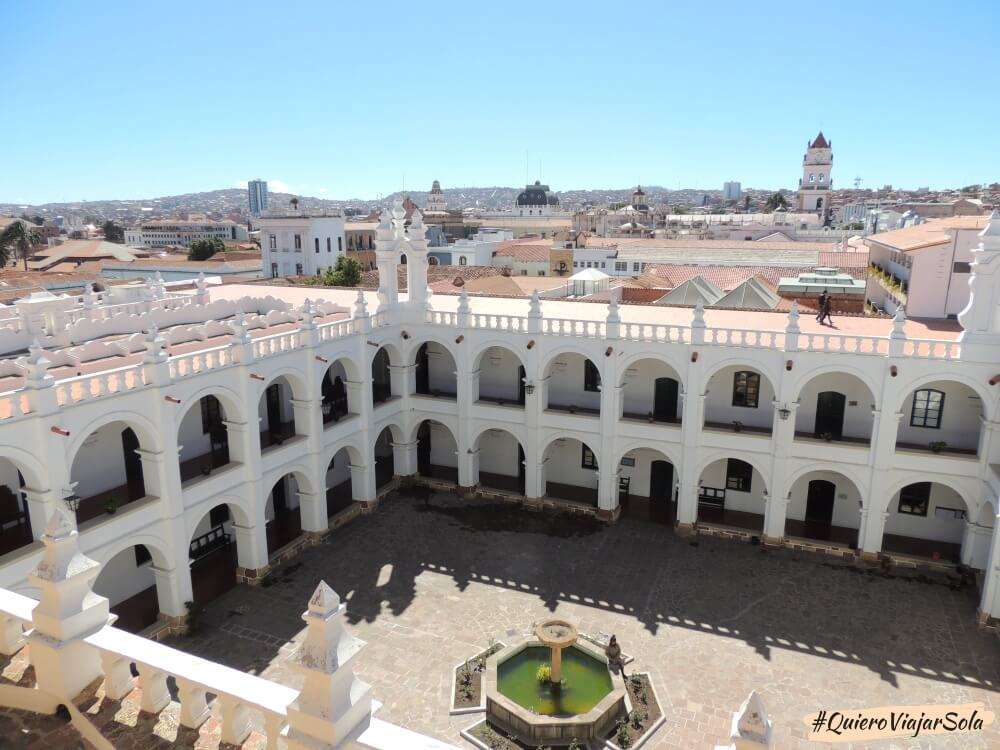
[205, 249]
[776, 201]
[113, 232]
[746, 203]
[347, 272]
[17, 240]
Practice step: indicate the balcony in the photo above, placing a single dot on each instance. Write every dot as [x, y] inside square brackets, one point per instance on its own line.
[107, 502]
[737, 427]
[893, 285]
[276, 436]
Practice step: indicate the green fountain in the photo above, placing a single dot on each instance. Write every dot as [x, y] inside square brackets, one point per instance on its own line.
[553, 688]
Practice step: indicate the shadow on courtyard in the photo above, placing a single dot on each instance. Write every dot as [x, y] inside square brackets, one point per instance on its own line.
[890, 624]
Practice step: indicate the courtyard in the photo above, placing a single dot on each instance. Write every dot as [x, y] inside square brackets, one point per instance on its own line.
[429, 585]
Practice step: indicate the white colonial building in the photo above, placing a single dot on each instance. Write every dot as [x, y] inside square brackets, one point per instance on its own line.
[300, 244]
[199, 438]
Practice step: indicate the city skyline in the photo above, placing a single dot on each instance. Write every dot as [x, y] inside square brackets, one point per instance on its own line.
[328, 115]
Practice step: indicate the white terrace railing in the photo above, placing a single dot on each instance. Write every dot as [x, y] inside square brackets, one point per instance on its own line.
[111, 382]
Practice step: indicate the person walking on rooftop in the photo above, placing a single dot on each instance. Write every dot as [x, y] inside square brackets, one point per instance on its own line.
[823, 298]
[824, 313]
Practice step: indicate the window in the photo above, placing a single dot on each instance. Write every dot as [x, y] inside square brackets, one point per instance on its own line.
[211, 414]
[328, 244]
[274, 270]
[746, 389]
[298, 269]
[914, 499]
[927, 407]
[272, 242]
[812, 178]
[602, 264]
[463, 260]
[524, 272]
[340, 242]
[635, 266]
[821, 176]
[739, 475]
[591, 376]
[588, 460]
[298, 242]
[316, 243]
[960, 267]
[621, 266]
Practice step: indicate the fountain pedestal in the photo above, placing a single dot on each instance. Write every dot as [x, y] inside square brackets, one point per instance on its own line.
[557, 635]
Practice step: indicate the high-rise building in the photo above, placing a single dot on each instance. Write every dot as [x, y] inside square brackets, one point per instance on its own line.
[731, 191]
[814, 187]
[257, 193]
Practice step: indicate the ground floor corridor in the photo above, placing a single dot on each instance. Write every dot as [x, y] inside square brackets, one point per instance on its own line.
[428, 586]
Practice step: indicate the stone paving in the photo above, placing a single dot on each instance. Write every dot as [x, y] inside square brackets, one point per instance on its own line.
[709, 619]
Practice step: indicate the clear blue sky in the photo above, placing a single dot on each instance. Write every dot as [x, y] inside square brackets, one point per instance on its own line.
[140, 99]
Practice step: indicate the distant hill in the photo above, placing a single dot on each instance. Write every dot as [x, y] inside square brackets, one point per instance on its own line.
[233, 201]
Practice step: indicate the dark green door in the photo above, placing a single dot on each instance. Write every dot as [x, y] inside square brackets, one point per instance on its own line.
[830, 414]
[665, 399]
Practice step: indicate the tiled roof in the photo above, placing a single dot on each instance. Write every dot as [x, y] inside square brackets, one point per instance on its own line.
[929, 234]
[820, 141]
[748, 245]
[435, 275]
[526, 252]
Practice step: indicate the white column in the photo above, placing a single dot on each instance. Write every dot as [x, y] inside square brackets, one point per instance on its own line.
[68, 612]
[989, 604]
[611, 397]
[363, 487]
[776, 503]
[333, 702]
[173, 588]
[312, 511]
[691, 426]
[873, 512]
[976, 545]
[404, 458]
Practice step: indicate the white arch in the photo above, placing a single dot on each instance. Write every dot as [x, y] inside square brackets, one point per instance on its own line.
[987, 399]
[240, 510]
[660, 357]
[505, 428]
[637, 445]
[859, 486]
[355, 451]
[27, 464]
[294, 377]
[572, 349]
[231, 402]
[445, 420]
[723, 455]
[571, 436]
[480, 351]
[966, 494]
[743, 363]
[841, 369]
[145, 431]
[393, 352]
[351, 368]
[106, 553]
[299, 471]
[413, 346]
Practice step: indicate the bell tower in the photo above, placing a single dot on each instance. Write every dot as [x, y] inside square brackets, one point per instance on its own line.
[815, 185]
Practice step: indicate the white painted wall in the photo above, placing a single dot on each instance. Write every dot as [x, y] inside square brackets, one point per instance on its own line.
[639, 474]
[858, 418]
[929, 527]
[719, 400]
[846, 509]
[960, 425]
[192, 440]
[565, 384]
[498, 453]
[444, 451]
[640, 385]
[714, 475]
[100, 463]
[564, 464]
[291, 496]
[120, 579]
[498, 374]
[441, 369]
[339, 470]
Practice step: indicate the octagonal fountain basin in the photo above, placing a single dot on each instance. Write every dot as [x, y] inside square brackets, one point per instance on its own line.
[585, 681]
[583, 707]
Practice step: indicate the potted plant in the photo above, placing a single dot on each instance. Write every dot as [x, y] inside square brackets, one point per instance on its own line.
[110, 506]
[737, 426]
[827, 436]
[937, 445]
[649, 417]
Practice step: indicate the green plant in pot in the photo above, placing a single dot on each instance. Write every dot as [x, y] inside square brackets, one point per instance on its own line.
[110, 506]
[937, 445]
[544, 674]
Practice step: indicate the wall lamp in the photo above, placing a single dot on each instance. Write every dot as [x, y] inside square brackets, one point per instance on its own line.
[460, 339]
[405, 335]
[531, 344]
[694, 356]
[529, 388]
[607, 352]
[784, 412]
[893, 371]
[788, 365]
